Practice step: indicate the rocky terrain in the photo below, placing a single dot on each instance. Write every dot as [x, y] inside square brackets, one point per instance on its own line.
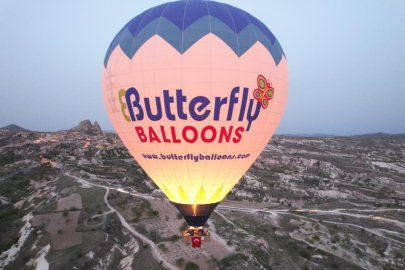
[87, 127]
[76, 199]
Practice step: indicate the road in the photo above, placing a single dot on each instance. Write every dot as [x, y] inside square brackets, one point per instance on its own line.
[379, 232]
[340, 212]
[333, 212]
[287, 211]
[373, 231]
[155, 249]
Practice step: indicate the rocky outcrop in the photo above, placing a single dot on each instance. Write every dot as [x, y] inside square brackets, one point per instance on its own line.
[96, 128]
[86, 126]
[97, 159]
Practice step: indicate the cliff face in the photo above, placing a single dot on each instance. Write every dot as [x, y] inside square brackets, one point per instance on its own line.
[86, 126]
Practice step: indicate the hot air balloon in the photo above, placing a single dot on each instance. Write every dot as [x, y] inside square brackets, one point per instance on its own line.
[195, 90]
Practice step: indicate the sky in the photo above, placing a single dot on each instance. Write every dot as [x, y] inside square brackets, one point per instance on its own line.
[346, 61]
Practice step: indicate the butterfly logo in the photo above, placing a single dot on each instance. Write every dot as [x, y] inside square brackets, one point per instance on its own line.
[264, 92]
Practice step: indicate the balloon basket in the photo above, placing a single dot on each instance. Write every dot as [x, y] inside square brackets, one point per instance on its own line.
[205, 234]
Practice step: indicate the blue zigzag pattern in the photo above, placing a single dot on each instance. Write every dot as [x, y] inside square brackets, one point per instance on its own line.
[183, 23]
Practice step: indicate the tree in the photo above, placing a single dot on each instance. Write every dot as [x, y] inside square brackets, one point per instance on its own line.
[154, 235]
[183, 227]
[179, 261]
[41, 226]
[358, 251]
[191, 266]
[305, 253]
[141, 227]
[291, 243]
[163, 247]
[174, 238]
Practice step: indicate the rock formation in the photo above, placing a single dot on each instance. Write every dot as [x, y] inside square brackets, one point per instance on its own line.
[96, 128]
[86, 126]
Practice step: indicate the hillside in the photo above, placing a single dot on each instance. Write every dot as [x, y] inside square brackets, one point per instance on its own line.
[380, 135]
[306, 203]
[15, 128]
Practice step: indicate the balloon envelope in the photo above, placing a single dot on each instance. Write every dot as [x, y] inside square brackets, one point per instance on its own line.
[195, 90]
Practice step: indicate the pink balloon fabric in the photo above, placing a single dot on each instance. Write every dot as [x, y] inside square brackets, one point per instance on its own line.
[195, 121]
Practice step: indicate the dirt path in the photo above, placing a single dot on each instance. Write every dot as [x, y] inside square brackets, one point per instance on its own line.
[254, 208]
[156, 252]
[373, 231]
[378, 232]
[217, 248]
[246, 204]
[85, 223]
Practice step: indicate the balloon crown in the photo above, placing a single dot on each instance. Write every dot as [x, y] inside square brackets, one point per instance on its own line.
[184, 23]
